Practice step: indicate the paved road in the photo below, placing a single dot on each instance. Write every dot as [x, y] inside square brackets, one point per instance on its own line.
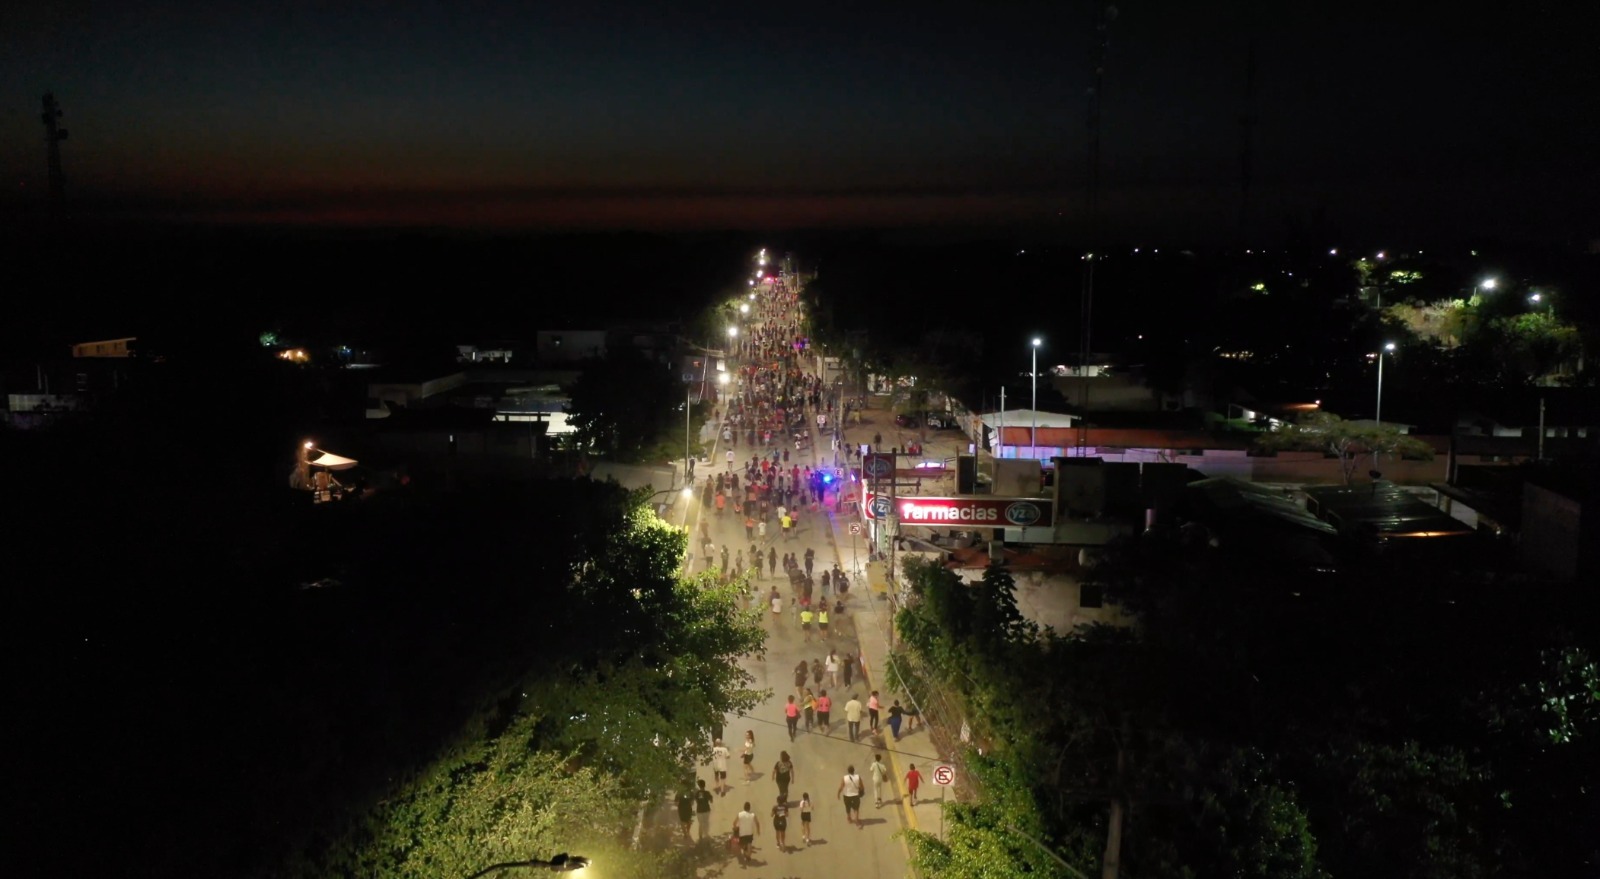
[837, 850]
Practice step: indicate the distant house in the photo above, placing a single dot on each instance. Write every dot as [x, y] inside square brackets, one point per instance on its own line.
[1567, 413]
[106, 348]
[570, 346]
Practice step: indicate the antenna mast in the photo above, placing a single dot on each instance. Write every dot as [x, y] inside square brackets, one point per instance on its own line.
[1102, 40]
[1247, 123]
[53, 136]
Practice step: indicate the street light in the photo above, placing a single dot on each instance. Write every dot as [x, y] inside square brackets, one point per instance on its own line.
[744, 308]
[1485, 284]
[1033, 438]
[1387, 347]
[1536, 298]
[733, 332]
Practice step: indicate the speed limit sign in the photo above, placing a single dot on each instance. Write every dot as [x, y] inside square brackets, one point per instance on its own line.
[855, 528]
[944, 776]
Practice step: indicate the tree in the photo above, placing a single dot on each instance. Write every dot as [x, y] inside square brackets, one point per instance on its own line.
[621, 405]
[633, 665]
[1349, 441]
[1536, 343]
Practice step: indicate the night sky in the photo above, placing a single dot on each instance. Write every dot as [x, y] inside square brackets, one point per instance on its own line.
[766, 116]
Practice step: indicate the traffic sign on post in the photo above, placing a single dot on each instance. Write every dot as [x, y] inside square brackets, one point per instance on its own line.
[855, 528]
[944, 775]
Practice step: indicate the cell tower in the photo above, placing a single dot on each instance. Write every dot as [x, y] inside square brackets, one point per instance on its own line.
[1102, 42]
[1247, 124]
[54, 134]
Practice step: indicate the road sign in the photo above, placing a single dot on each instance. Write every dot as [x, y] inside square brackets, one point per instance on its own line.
[944, 776]
[855, 528]
[878, 466]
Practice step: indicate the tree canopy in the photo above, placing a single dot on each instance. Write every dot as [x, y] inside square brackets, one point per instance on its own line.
[1251, 728]
[1351, 442]
[621, 406]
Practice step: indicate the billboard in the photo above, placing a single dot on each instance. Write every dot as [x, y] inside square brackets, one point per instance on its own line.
[983, 511]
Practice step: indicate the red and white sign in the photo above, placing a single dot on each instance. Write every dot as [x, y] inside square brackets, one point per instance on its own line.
[982, 512]
[944, 775]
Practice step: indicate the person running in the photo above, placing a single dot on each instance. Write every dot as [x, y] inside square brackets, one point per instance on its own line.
[719, 765]
[872, 710]
[801, 673]
[783, 774]
[913, 781]
[776, 601]
[880, 774]
[810, 708]
[791, 716]
[822, 629]
[805, 622]
[702, 808]
[780, 822]
[824, 708]
[747, 827]
[749, 755]
[805, 817]
[830, 667]
[850, 792]
[895, 712]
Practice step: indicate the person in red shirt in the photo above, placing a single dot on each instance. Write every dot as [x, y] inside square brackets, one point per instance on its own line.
[913, 781]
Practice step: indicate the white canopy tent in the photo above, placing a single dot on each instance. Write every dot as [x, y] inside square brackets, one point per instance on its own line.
[330, 461]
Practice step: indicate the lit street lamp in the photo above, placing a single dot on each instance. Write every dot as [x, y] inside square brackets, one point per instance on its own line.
[1485, 284]
[1387, 347]
[744, 308]
[1033, 439]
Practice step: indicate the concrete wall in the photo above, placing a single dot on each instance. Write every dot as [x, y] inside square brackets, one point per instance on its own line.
[1054, 600]
[1552, 532]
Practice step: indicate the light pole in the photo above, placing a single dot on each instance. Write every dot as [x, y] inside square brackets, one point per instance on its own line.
[1485, 284]
[1033, 438]
[1387, 347]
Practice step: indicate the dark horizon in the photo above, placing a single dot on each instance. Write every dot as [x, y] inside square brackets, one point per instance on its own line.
[1367, 117]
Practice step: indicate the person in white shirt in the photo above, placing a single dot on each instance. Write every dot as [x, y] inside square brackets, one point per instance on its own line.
[747, 826]
[850, 792]
[831, 667]
[719, 765]
[852, 717]
[880, 774]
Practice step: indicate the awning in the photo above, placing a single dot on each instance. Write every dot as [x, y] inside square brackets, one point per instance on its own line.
[330, 461]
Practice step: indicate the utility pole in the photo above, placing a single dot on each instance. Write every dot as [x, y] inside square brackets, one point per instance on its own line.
[54, 134]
